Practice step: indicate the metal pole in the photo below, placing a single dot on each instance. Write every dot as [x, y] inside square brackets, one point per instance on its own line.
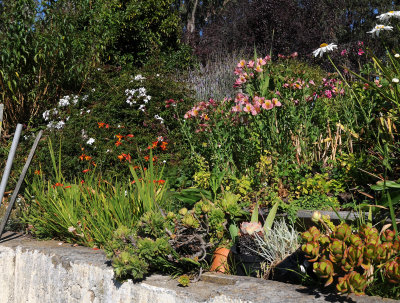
[1, 117]
[10, 159]
[19, 183]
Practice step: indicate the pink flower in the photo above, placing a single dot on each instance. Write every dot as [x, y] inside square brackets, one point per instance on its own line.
[277, 93]
[328, 94]
[343, 52]
[241, 64]
[294, 55]
[258, 69]
[267, 105]
[267, 58]
[261, 61]
[360, 52]
[311, 82]
[250, 64]
[236, 109]
[238, 71]
[276, 102]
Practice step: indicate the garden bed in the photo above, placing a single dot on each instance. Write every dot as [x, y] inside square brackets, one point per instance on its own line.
[51, 271]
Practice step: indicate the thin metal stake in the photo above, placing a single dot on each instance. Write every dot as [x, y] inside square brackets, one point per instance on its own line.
[10, 159]
[19, 183]
[1, 117]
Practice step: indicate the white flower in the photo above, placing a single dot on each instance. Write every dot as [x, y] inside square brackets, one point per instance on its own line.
[323, 48]
[93, 89]
[88, 111]
[90, 141]
[388, 15]
[84, 134]
[64, 101]
[395, 80]
[75, 99]
[159, 118]
[142, 107]
[139, 77]
[46, 115]
[397, 55]
[378, 28]
[59, 125]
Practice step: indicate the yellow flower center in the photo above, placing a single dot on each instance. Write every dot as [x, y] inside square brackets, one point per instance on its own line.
[391, 12]
[323, 45]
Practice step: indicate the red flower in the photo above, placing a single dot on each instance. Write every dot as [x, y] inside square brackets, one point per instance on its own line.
[155, 143]
[82, 157]
[101, 124]
[164, 145]
[85, 170]
[58, 184]
[37, 172]
[69, 186]
[147, 158]
[87, 158]
[119, 136]
[118, 143]
[82, 181]
[129, 136]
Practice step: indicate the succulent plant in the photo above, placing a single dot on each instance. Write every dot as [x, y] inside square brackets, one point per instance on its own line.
[352, 282]
[350, 258]
[312, 234]
[324, 269]
[311, 249]
[337, 250]
[342, 232]
[392, 270]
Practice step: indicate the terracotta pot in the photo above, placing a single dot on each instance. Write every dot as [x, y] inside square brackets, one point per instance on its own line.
[220, 260]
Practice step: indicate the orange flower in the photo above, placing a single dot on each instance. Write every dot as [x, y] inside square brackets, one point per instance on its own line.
[121, 157]
[85, 170]
[161, 181]
[94, 163]
[155, 143]
[57, 184]
[37, 172]
[119, 136]
[81, 157]
[69, 186]
[147, 158]
[87, 158]
[164, 145]
[130, 136]
[136, 167]
[128, 158]
[101, 124]
[155, 158]
[118, 143]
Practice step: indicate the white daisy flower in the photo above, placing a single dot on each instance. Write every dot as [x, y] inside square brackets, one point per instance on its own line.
[378, 28]
[397, 56]
[323, 48]
[388, 15]
[395, 80]
[90, 141]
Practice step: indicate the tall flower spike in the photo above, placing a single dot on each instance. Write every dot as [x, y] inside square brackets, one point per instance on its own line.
[323, 48]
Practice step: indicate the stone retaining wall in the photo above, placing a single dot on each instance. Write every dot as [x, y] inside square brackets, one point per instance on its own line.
[45, 271]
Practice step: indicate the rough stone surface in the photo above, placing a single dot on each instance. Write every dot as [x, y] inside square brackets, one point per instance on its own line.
[44, 271]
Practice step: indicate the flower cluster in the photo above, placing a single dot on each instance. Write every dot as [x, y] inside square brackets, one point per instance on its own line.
[253, 105]
[56, 113]
[245, 70]
[139, 94]
[201, 110]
